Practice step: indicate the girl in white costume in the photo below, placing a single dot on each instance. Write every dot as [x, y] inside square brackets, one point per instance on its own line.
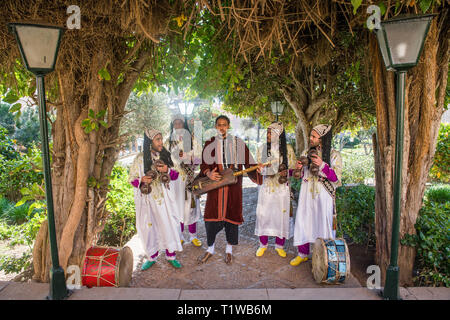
[316, 204]
[157, 221]
[274, 199]
[188, 205]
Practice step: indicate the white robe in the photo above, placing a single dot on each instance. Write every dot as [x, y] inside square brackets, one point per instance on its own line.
[274, 201]
[186, 214]
[156, 220]
[315, 209]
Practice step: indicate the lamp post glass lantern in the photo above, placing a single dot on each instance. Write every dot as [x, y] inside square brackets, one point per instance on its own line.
[277, 108]
[401, 42]
[38, 46]
[186, 109]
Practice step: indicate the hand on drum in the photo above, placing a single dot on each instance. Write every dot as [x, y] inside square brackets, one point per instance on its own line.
[316, 160]
[214, 175]
[299, 165]
[162, 168]
[146, 179]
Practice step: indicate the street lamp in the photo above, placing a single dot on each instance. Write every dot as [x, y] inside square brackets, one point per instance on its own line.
[401, 41]
[277, 108]
[185, 109]
[39, 45]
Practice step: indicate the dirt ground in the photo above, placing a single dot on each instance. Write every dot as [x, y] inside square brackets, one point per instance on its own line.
[247, 270]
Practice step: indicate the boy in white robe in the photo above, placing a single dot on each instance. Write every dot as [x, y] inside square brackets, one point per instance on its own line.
[157, 221]
[274, 199]
[316, 217]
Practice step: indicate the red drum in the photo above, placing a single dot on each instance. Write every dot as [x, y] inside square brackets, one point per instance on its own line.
[107, 267]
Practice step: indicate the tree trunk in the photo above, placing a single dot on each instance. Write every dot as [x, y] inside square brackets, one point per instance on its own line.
[82, 161]
[424, 102]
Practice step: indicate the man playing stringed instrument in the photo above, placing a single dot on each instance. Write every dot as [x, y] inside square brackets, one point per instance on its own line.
[224, 205]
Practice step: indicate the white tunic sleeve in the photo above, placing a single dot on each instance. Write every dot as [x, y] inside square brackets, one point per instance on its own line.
[292, 159]
[135, 168]
[336, 165]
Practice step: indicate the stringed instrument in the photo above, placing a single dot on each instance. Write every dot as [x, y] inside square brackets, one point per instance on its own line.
[202, 185]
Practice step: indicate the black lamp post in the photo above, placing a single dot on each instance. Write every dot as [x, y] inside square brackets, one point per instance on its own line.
[277, 108]
[401, 41]
[39, 45]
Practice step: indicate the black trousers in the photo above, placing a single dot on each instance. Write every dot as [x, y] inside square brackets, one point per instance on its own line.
[214, 227]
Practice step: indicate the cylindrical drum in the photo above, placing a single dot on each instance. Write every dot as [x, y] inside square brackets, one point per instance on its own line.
[330, 261]
[107, 267]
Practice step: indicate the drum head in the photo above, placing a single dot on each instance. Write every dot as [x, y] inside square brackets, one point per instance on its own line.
[319, 261]
[125, 266]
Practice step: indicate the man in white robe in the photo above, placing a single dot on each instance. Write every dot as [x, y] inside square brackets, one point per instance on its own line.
[157, 221]
[180, 145]
[274, 199]
[316, 204]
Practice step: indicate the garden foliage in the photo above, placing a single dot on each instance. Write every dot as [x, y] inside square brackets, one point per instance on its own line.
[440, 171]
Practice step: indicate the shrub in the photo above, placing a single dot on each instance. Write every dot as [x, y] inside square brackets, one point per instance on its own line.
[7, 150]
[432, 241]
[20, 172]
[5, 206]
[357, 168]
[438, 194]
[355, 208]
[121, 223]
[440, 171]
[19, 234]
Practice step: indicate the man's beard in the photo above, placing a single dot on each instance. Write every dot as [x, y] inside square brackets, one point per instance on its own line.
[311, 145]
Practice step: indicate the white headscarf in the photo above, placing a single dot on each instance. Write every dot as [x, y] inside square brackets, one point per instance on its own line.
[322, 129]
[178, 117]
[151, 133]
[276, 128]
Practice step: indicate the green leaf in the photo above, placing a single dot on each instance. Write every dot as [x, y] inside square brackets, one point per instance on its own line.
[103, 123]
[382, 8]
[11, 97]
[101, 114]
[15, 107]
[21, 202]
[17, 116]
[104, 74]
[356, 4]
[87, 129]
[397, 5]
[425, 5]
[91, 114]
[85, 123]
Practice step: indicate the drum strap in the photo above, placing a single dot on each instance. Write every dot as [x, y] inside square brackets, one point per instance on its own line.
[332, 192]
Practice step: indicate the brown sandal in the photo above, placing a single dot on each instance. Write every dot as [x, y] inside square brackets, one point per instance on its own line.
[204, 258]
[228, 258]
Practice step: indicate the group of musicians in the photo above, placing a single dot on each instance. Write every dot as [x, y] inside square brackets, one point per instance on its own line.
[162, 173]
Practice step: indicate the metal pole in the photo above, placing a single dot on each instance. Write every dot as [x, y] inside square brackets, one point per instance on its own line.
[58, 289]
[391, 288]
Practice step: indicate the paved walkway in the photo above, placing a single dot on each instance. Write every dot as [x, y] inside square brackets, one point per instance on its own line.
[39, 291]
